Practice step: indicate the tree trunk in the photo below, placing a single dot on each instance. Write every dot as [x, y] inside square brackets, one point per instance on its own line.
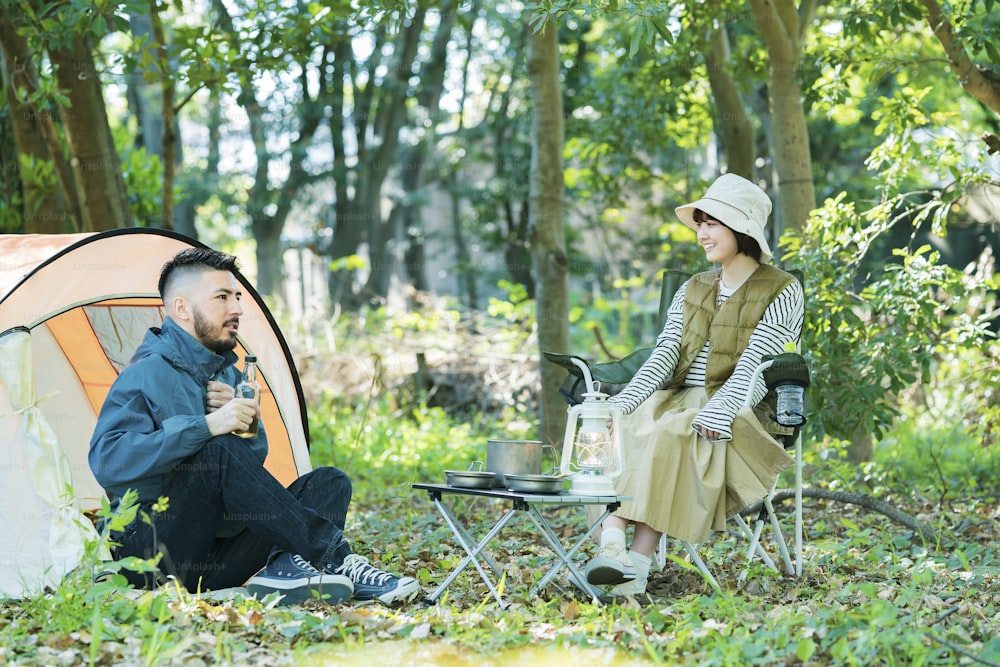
[466, 278]
[339, 278]
[390, 119]
[466, 275]
[167, 112]
[151, 109]
[378, 112]
[861, 448]
[517, 252]
[780, 26]
[514, 204]
[97, 170]
[410, 229]
[269, 253]
[731, 120]
[44, 210]
[267, 237]
[36, 137]
[266, 224]
[143, 98]
[548, 238]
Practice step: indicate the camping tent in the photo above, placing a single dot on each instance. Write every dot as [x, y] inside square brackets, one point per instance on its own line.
[73, 309]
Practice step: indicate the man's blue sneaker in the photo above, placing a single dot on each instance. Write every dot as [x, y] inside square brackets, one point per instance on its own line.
[294, 578]
[370, 583]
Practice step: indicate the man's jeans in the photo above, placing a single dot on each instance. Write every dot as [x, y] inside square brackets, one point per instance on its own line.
[224, 486]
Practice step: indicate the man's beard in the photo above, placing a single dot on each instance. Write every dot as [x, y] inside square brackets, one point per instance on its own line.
[212, 337]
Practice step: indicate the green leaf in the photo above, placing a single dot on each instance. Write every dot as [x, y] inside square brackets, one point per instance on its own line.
[847, 523]
[805, 649]
[912, 10]
[634, 43]
[992, 51]
[662, 30]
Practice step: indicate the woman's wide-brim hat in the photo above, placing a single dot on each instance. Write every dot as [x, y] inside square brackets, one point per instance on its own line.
[738, 204]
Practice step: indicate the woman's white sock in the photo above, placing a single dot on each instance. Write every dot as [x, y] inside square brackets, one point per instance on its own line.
[612, 536]
[642, 564]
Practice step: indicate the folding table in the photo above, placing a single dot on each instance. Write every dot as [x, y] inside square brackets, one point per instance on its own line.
[530, 504]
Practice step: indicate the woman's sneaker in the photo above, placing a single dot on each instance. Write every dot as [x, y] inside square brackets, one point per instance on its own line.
[295, 579]
[635, 589]
[610, 565]
[370, 583]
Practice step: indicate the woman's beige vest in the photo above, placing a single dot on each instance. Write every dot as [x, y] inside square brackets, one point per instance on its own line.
[730, 326]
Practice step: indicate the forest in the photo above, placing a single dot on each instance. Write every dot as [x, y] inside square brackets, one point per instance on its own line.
[429, 194]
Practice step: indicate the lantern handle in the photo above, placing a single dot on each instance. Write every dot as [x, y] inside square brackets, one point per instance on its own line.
[588, 379]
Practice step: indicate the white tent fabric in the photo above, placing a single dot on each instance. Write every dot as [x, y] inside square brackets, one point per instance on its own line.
[37, 481]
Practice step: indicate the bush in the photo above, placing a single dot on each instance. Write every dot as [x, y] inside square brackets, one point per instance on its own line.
[870, 339]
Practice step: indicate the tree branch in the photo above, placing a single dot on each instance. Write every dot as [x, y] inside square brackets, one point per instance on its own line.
[961, 651]
[807, 10]
[975, 81]
[858, 499]
[771, 22]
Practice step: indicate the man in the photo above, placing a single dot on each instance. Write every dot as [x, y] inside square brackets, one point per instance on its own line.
[169, 427]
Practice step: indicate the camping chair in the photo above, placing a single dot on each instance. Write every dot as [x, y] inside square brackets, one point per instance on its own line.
[614, 375]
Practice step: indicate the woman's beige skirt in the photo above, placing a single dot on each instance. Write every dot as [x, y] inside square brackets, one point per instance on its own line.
[682, 484]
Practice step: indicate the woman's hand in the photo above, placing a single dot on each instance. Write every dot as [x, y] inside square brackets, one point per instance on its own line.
[708, 434]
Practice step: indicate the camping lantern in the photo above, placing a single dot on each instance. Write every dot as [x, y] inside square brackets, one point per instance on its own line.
[592, 451]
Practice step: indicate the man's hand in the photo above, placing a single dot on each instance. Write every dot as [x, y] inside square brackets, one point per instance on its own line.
[217, 395]
[233, 417]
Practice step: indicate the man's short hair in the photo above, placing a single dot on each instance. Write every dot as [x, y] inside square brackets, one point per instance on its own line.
[194, 261]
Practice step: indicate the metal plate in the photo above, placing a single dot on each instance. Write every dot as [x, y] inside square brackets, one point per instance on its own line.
[534, 483]
[470, 479]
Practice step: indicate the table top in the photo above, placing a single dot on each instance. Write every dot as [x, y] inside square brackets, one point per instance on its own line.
[563, 498]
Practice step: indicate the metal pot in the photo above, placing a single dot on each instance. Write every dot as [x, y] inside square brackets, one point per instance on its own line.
[516, 457]
[534, 483]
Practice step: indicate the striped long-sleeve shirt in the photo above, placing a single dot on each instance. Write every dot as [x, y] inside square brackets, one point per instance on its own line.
[780, 323]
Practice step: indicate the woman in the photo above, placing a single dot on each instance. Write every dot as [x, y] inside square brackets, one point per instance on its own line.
[693, 454]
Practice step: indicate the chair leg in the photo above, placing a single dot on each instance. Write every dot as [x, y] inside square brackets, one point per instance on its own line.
[692, 551]
[798, 505]
[755, 548]
[660, 554]
[794, 569]
[779, 536]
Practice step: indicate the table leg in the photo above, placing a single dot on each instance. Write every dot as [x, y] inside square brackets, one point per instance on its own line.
[565, 557]
[473, 553]
[455, 524]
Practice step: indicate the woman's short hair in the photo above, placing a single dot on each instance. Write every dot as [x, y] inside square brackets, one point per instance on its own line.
[745, 244]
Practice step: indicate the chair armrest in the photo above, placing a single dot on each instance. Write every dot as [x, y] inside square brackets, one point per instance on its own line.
[566, 361]
[622, 370]
[605, 372]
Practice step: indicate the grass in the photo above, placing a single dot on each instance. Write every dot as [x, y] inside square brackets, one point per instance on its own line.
[872, 592]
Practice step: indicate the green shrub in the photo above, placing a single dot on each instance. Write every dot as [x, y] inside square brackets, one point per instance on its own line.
[868, 345]
[944, 441]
